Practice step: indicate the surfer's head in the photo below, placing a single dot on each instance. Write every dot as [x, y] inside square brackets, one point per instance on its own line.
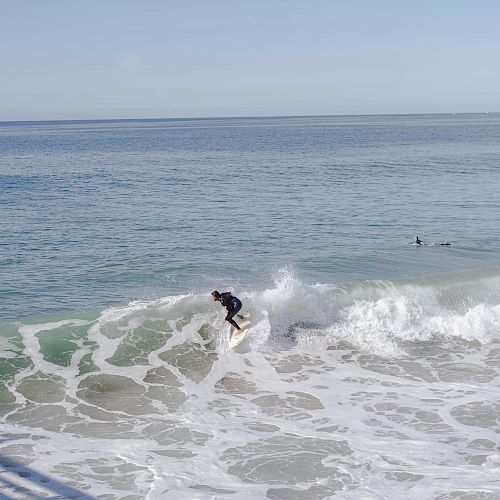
[215, 295]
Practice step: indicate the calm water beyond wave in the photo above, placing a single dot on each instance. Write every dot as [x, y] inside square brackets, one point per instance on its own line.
[372, 368]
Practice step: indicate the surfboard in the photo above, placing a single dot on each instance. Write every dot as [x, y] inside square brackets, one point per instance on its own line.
[237, 338]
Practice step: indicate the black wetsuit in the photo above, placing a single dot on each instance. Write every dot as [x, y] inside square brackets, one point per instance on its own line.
[233, 305]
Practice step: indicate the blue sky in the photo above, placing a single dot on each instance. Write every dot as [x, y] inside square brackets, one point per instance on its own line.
[64, 59]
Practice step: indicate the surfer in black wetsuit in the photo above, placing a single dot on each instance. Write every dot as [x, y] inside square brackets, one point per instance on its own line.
[231, 303]
[418, 241]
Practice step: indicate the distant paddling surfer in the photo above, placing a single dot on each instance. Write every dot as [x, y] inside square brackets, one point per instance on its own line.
[231, 303]
[418, 241]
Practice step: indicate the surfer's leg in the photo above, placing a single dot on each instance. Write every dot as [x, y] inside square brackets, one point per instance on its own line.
[229, 318]
[234, 311]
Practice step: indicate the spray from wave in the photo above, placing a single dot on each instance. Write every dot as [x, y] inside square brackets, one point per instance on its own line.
[379, 317]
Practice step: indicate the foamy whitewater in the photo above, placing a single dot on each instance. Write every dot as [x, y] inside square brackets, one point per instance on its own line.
[372, 367]
[373, 390]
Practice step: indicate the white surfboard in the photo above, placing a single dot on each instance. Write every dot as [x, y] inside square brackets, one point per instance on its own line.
[237, 338]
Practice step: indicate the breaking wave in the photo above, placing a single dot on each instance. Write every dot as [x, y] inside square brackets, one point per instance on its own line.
[380, 317]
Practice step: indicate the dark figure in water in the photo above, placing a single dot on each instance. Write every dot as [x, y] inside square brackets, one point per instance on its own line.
[231, 303]
[418, 241]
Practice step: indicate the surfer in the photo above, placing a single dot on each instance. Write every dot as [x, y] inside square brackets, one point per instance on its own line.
[418, 241]
[231, 303]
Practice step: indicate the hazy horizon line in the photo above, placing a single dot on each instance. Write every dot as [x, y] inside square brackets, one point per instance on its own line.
[237, 117]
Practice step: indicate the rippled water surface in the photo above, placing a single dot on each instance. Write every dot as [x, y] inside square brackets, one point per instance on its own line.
[95, 213]
[372, 366]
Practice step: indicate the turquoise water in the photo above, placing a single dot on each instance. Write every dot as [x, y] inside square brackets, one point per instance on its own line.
[372, 365]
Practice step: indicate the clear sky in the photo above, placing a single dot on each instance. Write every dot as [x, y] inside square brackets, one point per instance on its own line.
[65, 59]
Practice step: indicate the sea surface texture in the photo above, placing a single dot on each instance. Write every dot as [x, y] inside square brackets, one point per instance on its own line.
[372, 366]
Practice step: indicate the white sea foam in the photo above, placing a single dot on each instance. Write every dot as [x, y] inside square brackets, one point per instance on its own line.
[377, 316]
[328, 394]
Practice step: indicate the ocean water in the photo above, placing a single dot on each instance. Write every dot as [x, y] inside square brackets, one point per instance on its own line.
[372, 367]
